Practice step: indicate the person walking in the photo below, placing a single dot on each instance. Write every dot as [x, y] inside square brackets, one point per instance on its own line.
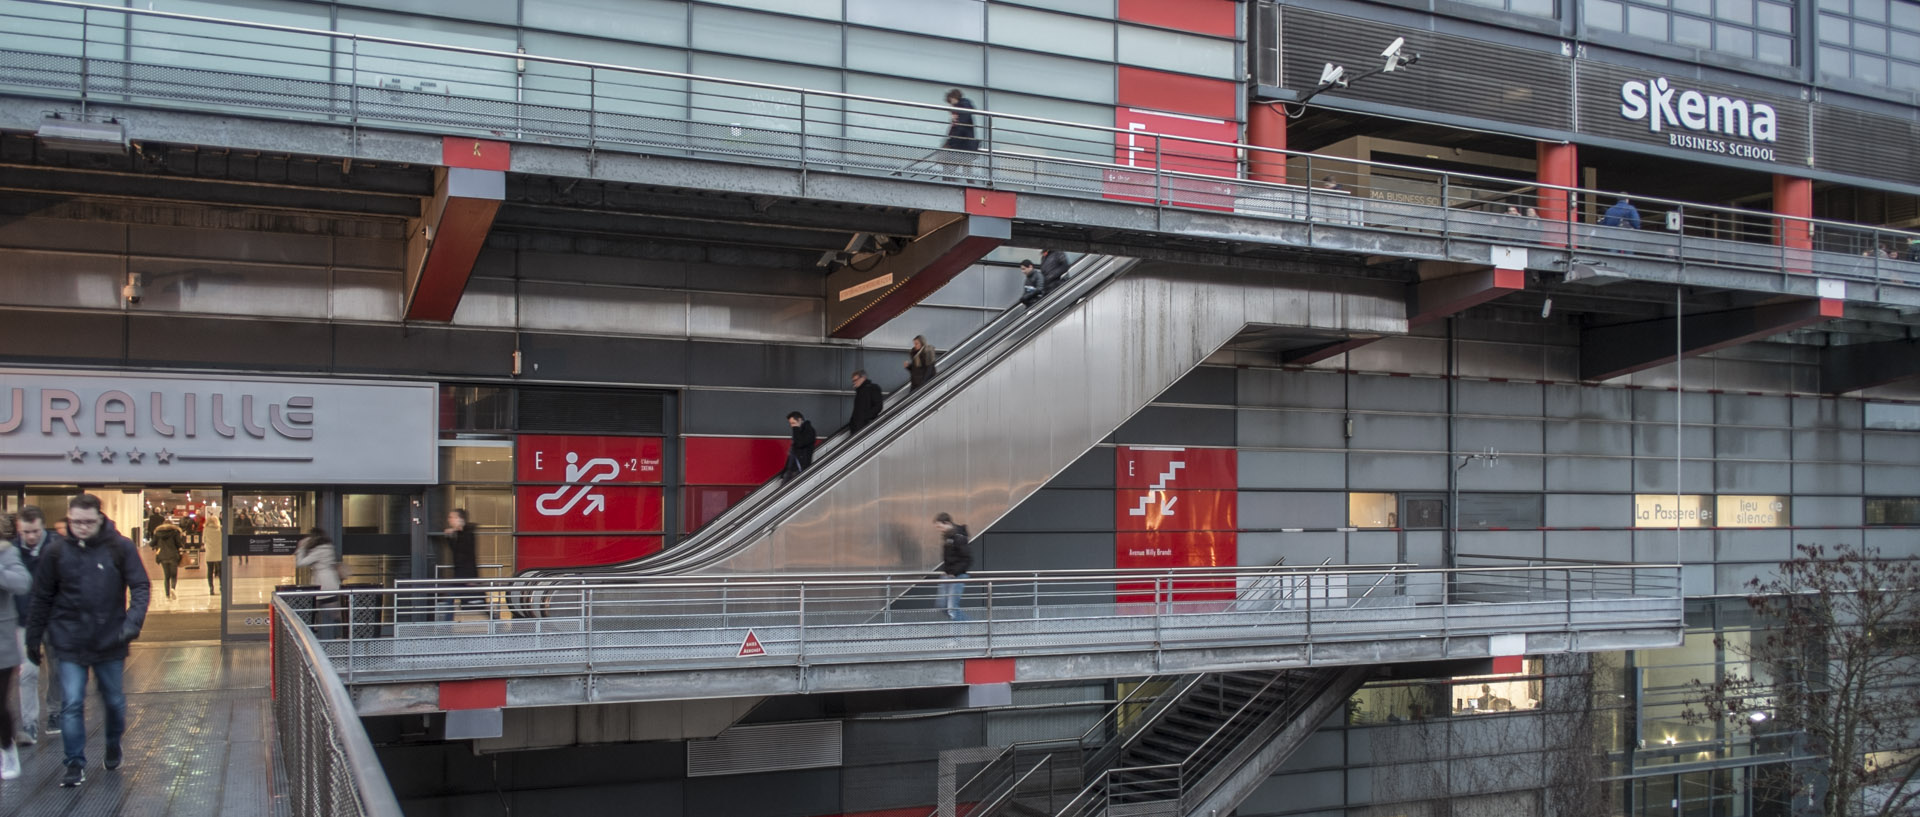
[168, 542]
[318, 555]
[800, 451]
[867, 402]
[956, 558]
[31, 539]
[1622, 214]
[90, 597]
[1053, 268]
[920, 362]
[1032, 283]
[213, 544]
[963, 142]
[465, 550]
[15, 582]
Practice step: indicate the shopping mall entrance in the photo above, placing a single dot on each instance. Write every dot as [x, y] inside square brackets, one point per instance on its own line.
[240, 546]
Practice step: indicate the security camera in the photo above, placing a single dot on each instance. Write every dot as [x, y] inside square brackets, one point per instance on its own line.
[1333, 75]
[132, 292]
[1396, 60]
[1393, 49]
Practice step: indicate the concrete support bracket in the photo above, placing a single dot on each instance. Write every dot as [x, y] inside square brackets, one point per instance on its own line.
[1859, 366]
[444, 242]
[860, 300]
[1607, 352]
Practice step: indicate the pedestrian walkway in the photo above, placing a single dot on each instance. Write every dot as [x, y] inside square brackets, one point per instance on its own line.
[200, 742]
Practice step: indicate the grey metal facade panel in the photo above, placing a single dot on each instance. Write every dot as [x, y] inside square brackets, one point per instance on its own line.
[1506, 84]
[1664, 546]
[1061, 509]
[1752, 410]
[1589, 474]
[32, 233]
[1600, 114]
[1044, 551]
[61, 280]
[942, 326]
[1292, 470]
[780, 366]
[1207, 385]
[1658, 406]
[1891, 480]
[154, 340]
[590, 358]
[1177, 425]
[1397, 472]
[1753, 478]
[1735, 579]
[887, 786]
[1748, 546]
[1508, 473]
[53, 337]
[1400, 353]
[1376, 393]
[1827, 413]
[1292, 509]
[1752, 443]
[1399, 432]
[1891, 447]
[1656, 476]
[1500, 399]
[1822, 478]
[759, 414]
[1507, 436]
[195, 242]
[1894, 543]
[370, 253]
[1297, 389]
[1589, 545]
[883, 742]
[1828, 511]
[1589, 510]
[1589, 437]
[416, 350]
[1658, 440]
[1866, 144]
[1589, 403]
[1526, 544]
[1425, 548]
[1307, 548]
[1290, 429]
[1826, 445]
[802, 793]
[1094, 469]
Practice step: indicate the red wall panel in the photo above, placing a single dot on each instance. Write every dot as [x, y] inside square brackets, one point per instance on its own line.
[1144, 142]
[1138, 510]
[1179, 93]
[1216, 17]
[544, 458]
[537, 552]
[734, 460]
[1181, 468]
[704, 502]
[1160, 549]
[588, 508]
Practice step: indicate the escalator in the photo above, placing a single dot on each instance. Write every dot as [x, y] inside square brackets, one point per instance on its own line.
[1013, 407]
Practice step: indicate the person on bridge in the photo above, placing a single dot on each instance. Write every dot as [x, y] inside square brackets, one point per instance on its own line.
[90, 599]
[465, 551]
[956, 558]
[800, 452]
[963, 142]
[920, 362]
[1053, 268]
[867, 402]
[1622, 214]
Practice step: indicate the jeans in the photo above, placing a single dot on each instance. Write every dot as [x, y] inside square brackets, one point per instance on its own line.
[73, 688]
[949, 597]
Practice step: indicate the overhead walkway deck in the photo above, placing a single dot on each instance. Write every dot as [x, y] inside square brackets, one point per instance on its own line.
[676, 639]
[332, 94]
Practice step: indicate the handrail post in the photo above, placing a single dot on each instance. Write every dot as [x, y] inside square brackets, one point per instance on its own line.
[803, 137]
[1159, 171]
[1446, 206]
[593, 108]
[84, 36]
[800, 651]
[986, 122]
[586, 622]
[990, 586]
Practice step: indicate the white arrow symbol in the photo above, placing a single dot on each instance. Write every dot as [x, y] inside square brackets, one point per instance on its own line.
[1166, 505]
[594, 503]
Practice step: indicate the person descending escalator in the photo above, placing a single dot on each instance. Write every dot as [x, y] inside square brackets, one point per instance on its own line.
[1053, 268]
[920, 362]
[800, 452]
[867, 402]
[1032, 284]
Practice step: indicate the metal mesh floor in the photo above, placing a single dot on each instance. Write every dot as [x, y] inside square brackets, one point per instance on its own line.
[199, 742]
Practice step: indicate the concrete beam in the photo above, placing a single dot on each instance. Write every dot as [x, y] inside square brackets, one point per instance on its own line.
[1607, 352]
[1428, 301]
[862, 300]
[1859, 366]
[443, 243]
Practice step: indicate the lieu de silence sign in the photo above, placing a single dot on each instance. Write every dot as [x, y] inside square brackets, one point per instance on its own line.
[103, 427]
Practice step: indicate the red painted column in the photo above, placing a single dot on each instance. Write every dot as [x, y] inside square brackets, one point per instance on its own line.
[1794, 197]
[1267, 128]
[1560, 166]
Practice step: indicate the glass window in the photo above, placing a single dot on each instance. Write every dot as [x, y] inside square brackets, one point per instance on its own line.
[960, 19]
[1834, 5]
[476, 463]
[1536, 8]
[1703, 8]
[1051, 76]
[885, 52]
[1874, 10]
[1643, 22]
[1055, 33]
[476, 408]
[1373, 510]
[1093, 8]
[1776, 50]
[1835, 61]
[1693, 31]
[827, 9]
[765, 36]
[1906, 76]
[1833, 30]
[1502, 511]
[1776, 17]
[1906, 15]
[1733, 40]
[1174, 51]
[1736, 11]
[644, 21]
[1870, 38]
[1604, 15]
[1871, 69]
[1900, 510]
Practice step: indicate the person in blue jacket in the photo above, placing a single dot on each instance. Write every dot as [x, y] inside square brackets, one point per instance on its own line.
[1622, 214]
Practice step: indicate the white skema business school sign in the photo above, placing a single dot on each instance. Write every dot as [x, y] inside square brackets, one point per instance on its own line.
[1695, 117]
[69, 427]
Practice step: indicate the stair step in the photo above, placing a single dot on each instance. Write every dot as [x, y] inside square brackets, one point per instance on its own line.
[1170, 745]
[1187, 732]
[1150, 756]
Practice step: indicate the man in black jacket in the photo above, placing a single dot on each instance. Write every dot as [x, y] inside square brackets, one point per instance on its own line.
[32, 538]
[1053, 268]
[867, 402]
[962, 143]
[800, 452]
[90, 598]
[956, 558]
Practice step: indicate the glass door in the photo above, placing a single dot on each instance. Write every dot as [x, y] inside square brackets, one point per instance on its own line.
[263, 529]
[376, 537]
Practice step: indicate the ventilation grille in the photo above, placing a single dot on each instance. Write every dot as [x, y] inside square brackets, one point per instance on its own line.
[593, 411]
[770, 748]
[1867, 144]
[1456, 74]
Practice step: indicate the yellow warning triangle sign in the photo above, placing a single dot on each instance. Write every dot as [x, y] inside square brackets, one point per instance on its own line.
[751, 646]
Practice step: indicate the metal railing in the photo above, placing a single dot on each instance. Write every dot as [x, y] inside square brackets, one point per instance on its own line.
[679, 624]
[332, 770]
[93, 55]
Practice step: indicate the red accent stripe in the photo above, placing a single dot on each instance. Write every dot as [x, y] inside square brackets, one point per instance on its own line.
[998, 204]
[989, 671]
[479, 154]
[1161, 91]
[1216, 17]
[486, 693]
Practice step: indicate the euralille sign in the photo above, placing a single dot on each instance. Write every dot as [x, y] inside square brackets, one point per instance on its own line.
[1700, 119]
[101, 427]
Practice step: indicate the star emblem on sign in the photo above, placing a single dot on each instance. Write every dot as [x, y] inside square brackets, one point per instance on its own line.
[163, 456]
[77, 455]
[106, 455]
[133, 457]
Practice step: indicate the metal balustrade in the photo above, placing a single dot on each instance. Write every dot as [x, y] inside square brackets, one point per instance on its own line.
[332, 770]
[96, 55]
[422, 631]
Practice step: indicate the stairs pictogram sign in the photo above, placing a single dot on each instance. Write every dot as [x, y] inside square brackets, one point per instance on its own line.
[751, 646]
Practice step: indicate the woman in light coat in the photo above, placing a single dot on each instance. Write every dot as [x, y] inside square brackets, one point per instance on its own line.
[213, 543]
[317, 554]
[14, 580]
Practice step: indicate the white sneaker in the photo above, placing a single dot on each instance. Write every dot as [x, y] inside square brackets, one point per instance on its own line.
[10, 763]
